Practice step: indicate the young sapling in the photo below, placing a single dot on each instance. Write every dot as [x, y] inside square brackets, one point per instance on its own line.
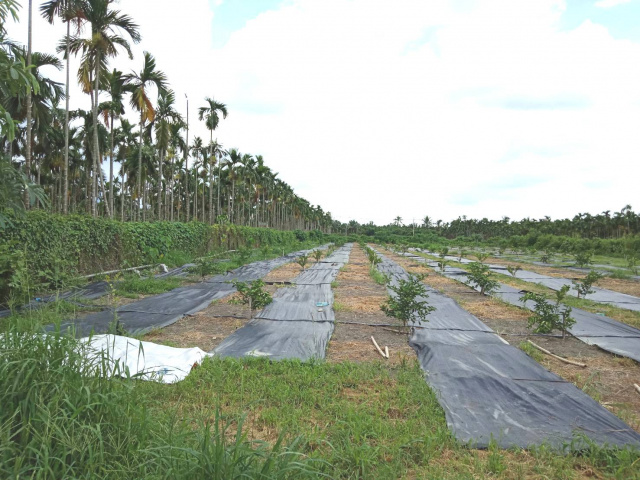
[513, 269]
[408, 303]
[479, 276]
[253, 294]
[549, 316]
[302, 261]
[584, 286]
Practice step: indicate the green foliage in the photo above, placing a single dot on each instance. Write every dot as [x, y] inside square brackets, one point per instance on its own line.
[461, 254]
[513, 269]
[61, 418]
[317, 255]
[479, 276]
[442, 264]
[59, 247]
[13, 182]
[377, 276]
[583, 258]
[242, 256]
[530, 350]
[549, 316]
[584, 286]
[253, 294]
[632, 264]
[481, 256]
[374, 258]
[205, 267]
[302, 261]
[408, 301]
[443, 252]
[146, 286]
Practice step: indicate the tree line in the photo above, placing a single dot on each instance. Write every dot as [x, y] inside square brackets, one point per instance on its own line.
[52, 156]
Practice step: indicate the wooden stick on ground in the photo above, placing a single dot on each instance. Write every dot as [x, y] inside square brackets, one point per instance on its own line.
[637, 387]
[377, 347]
[543, 350]
[386, 351]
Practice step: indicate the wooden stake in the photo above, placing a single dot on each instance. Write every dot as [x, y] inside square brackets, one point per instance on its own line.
[386, 351]
[377, 347]
[637, 387]
[543, 350]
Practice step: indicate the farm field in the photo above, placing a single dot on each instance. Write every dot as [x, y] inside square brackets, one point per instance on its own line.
[356, 414]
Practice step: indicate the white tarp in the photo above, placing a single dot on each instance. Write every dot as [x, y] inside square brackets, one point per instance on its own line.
[144, 360]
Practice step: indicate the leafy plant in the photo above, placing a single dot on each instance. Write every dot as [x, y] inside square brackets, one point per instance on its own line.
[443, 252]
[302, 261]
[545, 257]
[317, 255]
[442, 264]
[242, 256]
[461, 254]
[204, 268]
[253, 294]
[482, 256]
[549, 316]
[408, 300]
[632, 264]
[479, 276]
[583, 258]
[513, 269]
[584, 286]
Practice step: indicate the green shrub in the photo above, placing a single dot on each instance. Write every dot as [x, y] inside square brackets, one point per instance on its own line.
[408, 302]
[479, 276]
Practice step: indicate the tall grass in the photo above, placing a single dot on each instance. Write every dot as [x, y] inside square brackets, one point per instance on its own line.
[60, 419]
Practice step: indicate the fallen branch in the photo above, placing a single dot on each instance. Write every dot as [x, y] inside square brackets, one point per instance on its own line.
[637, 387]
[378, 347]
[543, 350]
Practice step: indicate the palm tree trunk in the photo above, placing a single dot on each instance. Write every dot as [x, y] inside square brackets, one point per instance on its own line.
[65, 199]
[210, 195]
[96, 145]
[122, 187]
[27, 157]
[111, 211]
[159, 188]
[139, 182]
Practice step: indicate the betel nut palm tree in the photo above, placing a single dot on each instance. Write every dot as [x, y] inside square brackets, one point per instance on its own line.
[211, 115]
[140, 85]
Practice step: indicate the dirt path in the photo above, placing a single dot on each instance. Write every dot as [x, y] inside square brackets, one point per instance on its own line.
[357, 299]
[607, 378]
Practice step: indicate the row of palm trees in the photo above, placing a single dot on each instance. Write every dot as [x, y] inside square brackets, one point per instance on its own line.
[162, 176]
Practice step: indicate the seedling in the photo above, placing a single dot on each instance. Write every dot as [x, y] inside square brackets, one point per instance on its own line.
[317, 255]
[443, 252]
[482, 257]
[442, 264]
[583, 258]
[461, 254]
[242, 256]
[479, 276]
[584, 287]
[302, 261]
[204, 267]
[513, 269]
[632, 264]
[549, 316]
[409, 302]
[253, 294]
[545, 257]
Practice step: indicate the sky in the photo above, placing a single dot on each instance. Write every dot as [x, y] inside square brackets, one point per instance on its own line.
[375, 109]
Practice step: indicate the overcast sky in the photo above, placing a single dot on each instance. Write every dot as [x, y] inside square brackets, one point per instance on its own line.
[375, 109]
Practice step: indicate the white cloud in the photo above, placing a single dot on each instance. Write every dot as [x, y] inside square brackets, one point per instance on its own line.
[610, 3]
[375, 109]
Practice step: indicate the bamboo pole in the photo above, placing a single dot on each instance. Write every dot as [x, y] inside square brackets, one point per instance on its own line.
[577, 364]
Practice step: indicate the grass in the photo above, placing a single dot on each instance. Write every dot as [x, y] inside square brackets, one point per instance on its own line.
[530, 350]
[132, 285]
[377, 276]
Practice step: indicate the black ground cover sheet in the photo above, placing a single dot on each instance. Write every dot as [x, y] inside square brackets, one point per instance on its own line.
[492, 390]
[298, 323]
[593, 329]
[601, 295]
[162, 310]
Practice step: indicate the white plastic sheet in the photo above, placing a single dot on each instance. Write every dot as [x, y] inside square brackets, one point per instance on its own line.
[144, 360]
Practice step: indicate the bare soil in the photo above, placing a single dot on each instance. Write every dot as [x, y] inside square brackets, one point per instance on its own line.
[358, 298]
[607, 378]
